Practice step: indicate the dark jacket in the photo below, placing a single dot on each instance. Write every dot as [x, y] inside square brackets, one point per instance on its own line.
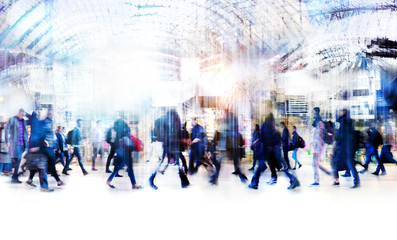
[76, 139]
[60, 142]
[373, 140]
[37, 135]
[285, 137]
[173, 133]
[294, 142]
[122, 129]
[344, 149]
[48, 132]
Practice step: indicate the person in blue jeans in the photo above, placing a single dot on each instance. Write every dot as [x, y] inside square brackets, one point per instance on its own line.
[123, 157]
[371, 150]
[295, 147]
[76, 139]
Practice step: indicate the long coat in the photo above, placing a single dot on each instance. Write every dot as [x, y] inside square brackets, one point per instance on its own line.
[12, 135]
[344, 146]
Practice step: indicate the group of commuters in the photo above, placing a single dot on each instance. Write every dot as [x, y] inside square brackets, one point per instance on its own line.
[44, 148]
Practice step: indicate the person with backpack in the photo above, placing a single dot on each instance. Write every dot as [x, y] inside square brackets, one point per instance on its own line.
[294, 147]
[125, 146]
[74, 139]
[373, 142]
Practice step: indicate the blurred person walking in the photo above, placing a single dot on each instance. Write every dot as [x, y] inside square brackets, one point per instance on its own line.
[16, 136]
[294, 147]
[197, 146]
[318, 145]
[61, 151]
[97, 140]
[374, 140]
[36, 158]
[125, 147]
[345, 149]
[171, 127]
[5, 161]
[255, 146]
[75, 143]
[271, 152]
[286, 141]
[49, 137]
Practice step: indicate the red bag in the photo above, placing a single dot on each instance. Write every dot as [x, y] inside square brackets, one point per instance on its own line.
[138, 145]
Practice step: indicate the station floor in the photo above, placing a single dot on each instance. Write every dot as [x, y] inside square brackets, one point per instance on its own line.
[86, 208]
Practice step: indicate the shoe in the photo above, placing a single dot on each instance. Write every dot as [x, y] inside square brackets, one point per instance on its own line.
[300, 165]
[69, 169]
[110, 185]
[346, 175]
[15, 180]
[162, 172]
[85, 173]
[151, 183]
[315, 184]
[383, 173]
[251, 169]
[293, 186]
[235, 172]
[60, 183]
[375, 173]
[185, 185]
[272, 181]
[94, 169]
[336, 184]
[47, 190]
[108, 171]
[136, 187]
[294, 168]
[65, 172]
[243, 178]
[213, 182]
[253, 186]
[363, 171]
[30, 183]
[118, 175]
[355, 185]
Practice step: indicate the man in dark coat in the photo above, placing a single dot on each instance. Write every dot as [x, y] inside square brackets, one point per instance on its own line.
[344, 149]
[286, 142]
[271, 152]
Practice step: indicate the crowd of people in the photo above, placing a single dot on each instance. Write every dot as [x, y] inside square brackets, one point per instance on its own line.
[42, 148]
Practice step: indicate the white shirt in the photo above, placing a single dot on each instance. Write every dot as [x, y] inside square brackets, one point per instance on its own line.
[97, 135]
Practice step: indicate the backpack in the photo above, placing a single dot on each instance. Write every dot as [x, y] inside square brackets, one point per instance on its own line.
[301, 142]
[379, 139]
[69, 137]
[359, 139]
[138, 146]
[328, 133]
